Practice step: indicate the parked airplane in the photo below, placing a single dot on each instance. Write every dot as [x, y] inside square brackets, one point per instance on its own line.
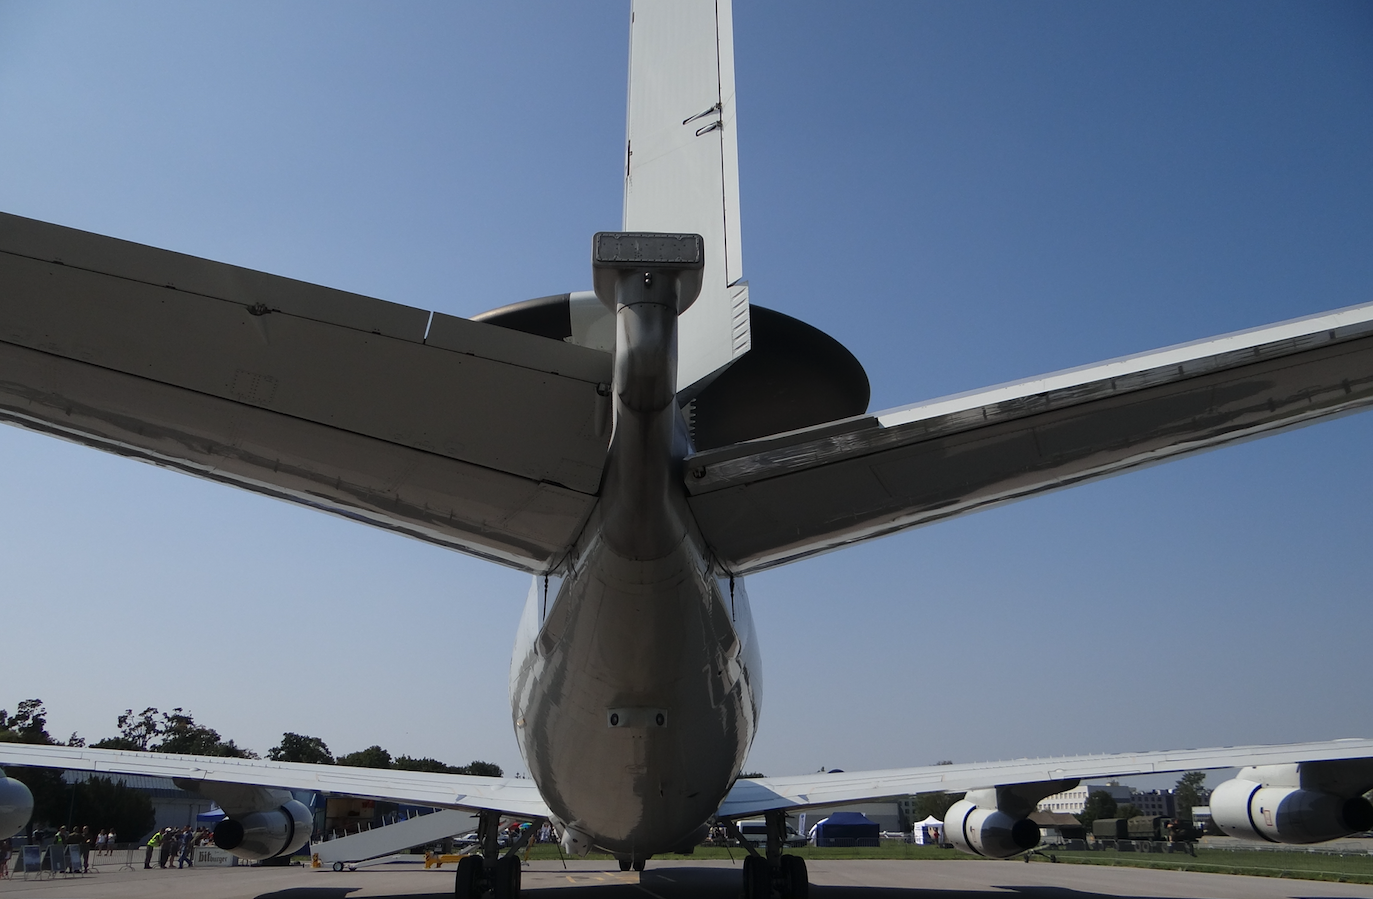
[638, 449]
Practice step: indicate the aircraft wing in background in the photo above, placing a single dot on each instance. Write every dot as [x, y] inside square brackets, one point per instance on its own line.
[514, 796]
[464, 434]
[751, 797]
[769, 501]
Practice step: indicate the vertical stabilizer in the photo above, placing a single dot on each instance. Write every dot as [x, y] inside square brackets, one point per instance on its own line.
[682, 164]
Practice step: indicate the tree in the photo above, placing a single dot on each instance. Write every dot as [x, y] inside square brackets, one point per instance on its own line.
[751, 775]
[174, 731]
[1099, 805]
[28, 724]
[180, 734]
[1190, 791]
[137, 732]
[100, 804]
[406, 763]
[936, 804]
[1128, 811]
[371, 757]
[376, 757]
[300, 748]
[483, 769]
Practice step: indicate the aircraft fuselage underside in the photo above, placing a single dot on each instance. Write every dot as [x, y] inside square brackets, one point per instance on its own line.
[633, 684]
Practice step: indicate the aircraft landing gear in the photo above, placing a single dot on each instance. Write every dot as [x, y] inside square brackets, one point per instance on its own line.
[507, 878]
[795, 881]
[632, 861]
[775, 873]
[471, 879]
[624, 863]
[757, 878]
[490, 873]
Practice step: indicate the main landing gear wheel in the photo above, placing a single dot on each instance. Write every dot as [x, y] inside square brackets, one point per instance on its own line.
[469, 879]
[506, 878]
[639, 864]
[795, 884]
[624, 864]
[757, 878]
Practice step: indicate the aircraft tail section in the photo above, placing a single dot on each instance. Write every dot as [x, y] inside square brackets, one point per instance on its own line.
[682, 164]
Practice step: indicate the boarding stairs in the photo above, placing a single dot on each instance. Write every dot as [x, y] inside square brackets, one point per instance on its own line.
[418, 830]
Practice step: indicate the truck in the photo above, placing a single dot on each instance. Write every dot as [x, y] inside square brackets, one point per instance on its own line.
[1111, 829]
[1142, 833]
[1148, 827]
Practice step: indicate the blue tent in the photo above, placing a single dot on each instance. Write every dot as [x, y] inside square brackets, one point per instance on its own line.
[847, 829]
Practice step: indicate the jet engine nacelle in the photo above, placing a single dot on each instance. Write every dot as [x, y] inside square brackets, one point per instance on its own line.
[16, 806]
[1286, 814]
[987, 831]
[258, 836]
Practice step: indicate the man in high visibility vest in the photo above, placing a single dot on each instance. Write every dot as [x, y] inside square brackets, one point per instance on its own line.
[57, 852]
[153, 843]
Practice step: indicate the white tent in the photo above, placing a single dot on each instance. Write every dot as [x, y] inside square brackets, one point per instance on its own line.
[929, 832]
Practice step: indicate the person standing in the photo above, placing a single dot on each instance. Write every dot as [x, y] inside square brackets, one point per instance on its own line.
[153, 842]
[87, 843]
[165, 850]
[6, 848]
[57, 852]
[187, 852]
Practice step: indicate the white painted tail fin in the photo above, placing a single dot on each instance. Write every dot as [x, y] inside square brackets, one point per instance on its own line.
[682, 164]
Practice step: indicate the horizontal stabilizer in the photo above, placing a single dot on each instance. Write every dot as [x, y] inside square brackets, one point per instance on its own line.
[464, 434]
[769, 501]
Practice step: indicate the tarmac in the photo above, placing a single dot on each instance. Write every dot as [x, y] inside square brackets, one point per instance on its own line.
[864, 879]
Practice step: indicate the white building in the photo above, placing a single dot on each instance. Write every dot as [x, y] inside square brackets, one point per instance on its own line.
[1072, 802]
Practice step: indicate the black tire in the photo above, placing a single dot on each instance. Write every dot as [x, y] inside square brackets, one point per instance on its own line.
[506, 877]
[757, 878]
[795, 882]
[338, 866]
[639, 864]
[468, 883]
[624, 864]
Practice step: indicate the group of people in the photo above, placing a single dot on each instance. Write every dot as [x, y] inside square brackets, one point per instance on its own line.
[175, 847]
[101, 844]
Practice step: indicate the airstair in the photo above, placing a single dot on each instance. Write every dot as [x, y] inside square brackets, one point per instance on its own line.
[419, 830]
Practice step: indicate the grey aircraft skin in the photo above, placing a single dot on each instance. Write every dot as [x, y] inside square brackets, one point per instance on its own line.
[634, 687]
[638, 472]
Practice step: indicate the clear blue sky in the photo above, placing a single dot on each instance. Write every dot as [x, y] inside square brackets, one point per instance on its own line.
[962, 193]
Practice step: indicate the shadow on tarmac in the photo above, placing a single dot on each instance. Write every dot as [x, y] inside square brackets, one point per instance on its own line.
[711, 883]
